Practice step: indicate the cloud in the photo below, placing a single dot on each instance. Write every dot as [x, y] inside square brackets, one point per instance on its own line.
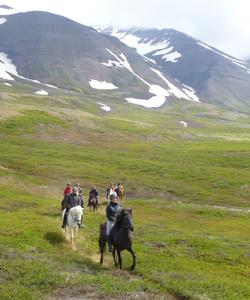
[224, 24]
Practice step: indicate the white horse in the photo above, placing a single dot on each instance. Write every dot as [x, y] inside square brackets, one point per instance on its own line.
[73, 222]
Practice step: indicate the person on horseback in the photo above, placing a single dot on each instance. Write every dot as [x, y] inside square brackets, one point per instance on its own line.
[93, 193]
[80, 194]
[72, 200]
[68, 190]
[111, 211]
[79, 189]
[112, 191]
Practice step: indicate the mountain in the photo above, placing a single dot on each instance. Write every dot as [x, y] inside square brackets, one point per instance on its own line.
[57, 51]
[216, 77]
[143, 66]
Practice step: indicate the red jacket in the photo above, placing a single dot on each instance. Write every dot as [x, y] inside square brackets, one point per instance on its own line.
[67, 191]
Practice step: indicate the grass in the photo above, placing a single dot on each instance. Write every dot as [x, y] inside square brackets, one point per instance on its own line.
[189, 190]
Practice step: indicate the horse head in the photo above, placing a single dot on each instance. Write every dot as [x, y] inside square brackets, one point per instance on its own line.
[76, 214]
[124, 218]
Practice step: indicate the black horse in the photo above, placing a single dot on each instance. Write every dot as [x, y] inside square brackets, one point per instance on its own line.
[121, 237]
[93, 202]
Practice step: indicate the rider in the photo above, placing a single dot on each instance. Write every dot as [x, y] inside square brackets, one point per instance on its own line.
[79, 189]
[93, 193]
[80, 193]
[111, 211]
[71, 201]
[68, 190]
[118, 186]
[112, 191]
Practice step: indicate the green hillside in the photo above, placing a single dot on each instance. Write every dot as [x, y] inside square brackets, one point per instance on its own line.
[188, 187]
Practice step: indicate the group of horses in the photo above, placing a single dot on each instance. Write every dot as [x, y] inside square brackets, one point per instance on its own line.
[121, 233]
[119, 189]
[93, 203]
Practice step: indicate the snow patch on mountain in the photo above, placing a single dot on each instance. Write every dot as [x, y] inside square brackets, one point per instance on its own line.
[184, 124]
[7, 67]
[159, 93]
[235, 61]
[156, 101]
[42, 93]
[149, 59]
[7, 10]
[188, 90]
[113, 63]
[7, 84]
[2, 20]
[168, 55]
[102, 85]
[136, 42]
[144, 47]
[188, 94]
[104, 106]
[122, 60]
[218, 52]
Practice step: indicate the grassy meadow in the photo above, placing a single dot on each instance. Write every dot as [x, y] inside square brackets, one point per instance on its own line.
[188, 187]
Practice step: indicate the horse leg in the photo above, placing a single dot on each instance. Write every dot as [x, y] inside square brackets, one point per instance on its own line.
[76, 231]
[102, 244]
[102, 241]
[66, 232]
[113, 252]
[73, 244]
[119, 258]
[134, 259]
[73, 237]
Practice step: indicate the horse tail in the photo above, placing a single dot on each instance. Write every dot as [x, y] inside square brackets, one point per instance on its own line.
[102, 237]
[102, 240]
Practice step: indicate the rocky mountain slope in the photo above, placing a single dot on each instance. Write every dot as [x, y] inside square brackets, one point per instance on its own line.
[143, 66]
[216, 77]
[58, 51]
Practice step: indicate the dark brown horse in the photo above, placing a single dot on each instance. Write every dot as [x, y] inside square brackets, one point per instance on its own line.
[121, 237]
[120, 192]
[93, 202]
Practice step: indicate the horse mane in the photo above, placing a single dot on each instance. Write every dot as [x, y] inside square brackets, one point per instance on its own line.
[76, 209]
[119, 219]
[120, 216]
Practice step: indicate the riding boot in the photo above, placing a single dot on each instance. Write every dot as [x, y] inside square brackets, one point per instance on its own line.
[65, 219]
[81, 225]
[109, 240]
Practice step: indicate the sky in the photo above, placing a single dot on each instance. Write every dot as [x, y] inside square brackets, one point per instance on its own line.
[224, 24]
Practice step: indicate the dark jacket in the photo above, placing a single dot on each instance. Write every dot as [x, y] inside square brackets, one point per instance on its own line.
[73, 200]
[112, 210]
[93, 192]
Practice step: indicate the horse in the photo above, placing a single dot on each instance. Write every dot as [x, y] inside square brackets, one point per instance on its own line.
[121, 237]
[73, 222]
[108, 192]
[93, 202]
[120, 192]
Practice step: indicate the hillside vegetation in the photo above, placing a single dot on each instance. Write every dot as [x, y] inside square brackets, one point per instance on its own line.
[188, 187]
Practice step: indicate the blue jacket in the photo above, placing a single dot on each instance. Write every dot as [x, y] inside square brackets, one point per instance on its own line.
[112, 210]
